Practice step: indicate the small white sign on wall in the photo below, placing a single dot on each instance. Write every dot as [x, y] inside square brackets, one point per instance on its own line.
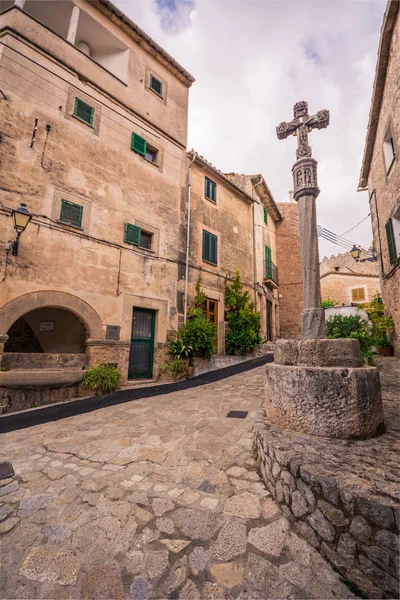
[47, 325]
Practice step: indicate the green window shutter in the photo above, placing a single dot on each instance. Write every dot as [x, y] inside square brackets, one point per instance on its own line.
[210, 189]
[138, 144]
[156, 85]
[268, 263]
[265, 216]
[132, 234]
[84, 112]
[391, 241]
[71, 213]
[210, 247]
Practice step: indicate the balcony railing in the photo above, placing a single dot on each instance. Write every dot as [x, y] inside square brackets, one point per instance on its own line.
[271, 274]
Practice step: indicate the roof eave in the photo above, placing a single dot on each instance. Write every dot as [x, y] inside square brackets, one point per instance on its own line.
[389, 20]
[258, 180]
[202, 161]
[159, 52]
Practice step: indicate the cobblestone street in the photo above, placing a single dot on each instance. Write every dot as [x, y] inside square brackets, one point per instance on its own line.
[151, 499]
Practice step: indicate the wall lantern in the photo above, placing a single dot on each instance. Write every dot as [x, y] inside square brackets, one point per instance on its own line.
[356, 253]
[21, 217]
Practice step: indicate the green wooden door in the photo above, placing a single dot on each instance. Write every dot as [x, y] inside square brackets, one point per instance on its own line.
[142, 344]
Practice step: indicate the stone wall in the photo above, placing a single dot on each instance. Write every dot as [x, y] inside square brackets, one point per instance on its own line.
[339, 274]
[383, 186]
[290, 276]
[339, 499]
[22, 360]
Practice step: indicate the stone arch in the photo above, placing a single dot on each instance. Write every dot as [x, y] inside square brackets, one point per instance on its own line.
[16, 308]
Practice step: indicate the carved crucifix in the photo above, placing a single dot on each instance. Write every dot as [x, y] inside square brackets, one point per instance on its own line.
[301, 125]
[306, 190]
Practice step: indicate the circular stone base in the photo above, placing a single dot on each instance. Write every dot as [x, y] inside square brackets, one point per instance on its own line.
[318, 353]
[327, 401]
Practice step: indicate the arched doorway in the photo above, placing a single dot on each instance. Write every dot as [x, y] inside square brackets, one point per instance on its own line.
[48, 330]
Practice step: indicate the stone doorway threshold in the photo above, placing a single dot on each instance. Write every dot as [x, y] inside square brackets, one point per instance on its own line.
[54, 412]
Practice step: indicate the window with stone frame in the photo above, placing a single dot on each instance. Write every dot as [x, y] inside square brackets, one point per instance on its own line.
[388, 148]
[358, 294]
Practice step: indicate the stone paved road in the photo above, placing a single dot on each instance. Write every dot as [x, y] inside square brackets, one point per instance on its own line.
[157, 498]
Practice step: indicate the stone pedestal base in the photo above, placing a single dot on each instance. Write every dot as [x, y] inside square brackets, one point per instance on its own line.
[319, 387]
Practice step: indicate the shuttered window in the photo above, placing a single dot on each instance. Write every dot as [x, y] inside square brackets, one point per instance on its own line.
[391, 241]
[358, 294]
[265, 216]
[71, 213]
[84, 112]
[156, 85]
[138, 144]
[268, 263]
[132, 234]
[210, 247]
[210, 189]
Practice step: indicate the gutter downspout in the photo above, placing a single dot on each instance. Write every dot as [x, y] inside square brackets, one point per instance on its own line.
[254, 248]
[189, 184]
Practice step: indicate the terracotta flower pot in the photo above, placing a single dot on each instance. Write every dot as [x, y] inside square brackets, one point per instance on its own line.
[387, 351]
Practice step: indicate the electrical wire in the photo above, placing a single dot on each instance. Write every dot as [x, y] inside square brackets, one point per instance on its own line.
[362, 221]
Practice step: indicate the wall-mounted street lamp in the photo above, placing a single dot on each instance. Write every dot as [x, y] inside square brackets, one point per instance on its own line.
[21, 217]
[356, 254]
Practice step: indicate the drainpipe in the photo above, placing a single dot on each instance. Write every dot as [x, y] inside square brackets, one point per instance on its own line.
[255, 247]
[189, 184]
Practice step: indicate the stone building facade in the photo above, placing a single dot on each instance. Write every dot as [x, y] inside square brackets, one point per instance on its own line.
[380, 171]
[93, 141]
[234, 216]
[349, 282]
[94, 118]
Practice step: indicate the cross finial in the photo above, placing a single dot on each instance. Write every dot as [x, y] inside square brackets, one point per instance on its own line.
[301, 125]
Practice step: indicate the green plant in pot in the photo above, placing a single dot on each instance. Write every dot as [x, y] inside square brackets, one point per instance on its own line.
[382, 326]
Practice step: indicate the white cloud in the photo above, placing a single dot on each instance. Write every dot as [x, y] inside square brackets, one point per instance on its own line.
[252, 61]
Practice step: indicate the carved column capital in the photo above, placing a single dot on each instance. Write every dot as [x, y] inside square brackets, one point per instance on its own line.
[305, 182]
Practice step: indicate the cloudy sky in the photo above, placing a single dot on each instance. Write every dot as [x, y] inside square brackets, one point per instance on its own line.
[252, 60]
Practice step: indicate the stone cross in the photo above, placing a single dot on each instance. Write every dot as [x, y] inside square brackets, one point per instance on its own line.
[305, 185]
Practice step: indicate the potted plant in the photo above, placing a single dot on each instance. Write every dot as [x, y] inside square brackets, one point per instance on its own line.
[384, 346]
[382, 326]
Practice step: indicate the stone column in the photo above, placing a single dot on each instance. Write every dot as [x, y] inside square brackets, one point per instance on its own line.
[305, 192]
[19, 3]
[73, 25]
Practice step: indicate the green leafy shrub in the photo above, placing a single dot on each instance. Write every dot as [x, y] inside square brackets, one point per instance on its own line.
[103, 379]
[355, 327]
[328, 302]
[174, 367]
[382, 327]
[198, 334]
[243, 320]
[178, 349]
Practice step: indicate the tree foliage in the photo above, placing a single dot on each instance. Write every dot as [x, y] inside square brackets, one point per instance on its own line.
[244, 321]
[354, 327]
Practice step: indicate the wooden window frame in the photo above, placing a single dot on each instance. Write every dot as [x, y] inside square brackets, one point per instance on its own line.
[127, 226]
[203, 254]
[391, 241]
[77, 100]
[214, 187]
[136, 137]
[153, 77]
[265, 216]
[63, 221]
[360, 300]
